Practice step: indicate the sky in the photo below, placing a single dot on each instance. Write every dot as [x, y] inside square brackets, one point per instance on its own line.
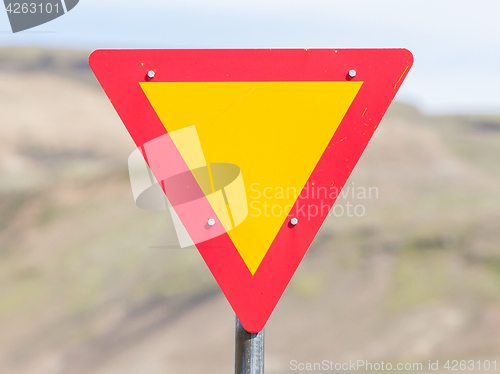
[456, 43]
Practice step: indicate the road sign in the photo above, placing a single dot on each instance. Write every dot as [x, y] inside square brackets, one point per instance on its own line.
[294, 122]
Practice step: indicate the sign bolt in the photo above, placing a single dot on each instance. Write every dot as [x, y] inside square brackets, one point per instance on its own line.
[211, 222]
[151, 74]
[294, 221]
[352, 73]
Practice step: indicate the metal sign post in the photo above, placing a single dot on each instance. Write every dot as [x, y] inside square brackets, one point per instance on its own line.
[249, 354]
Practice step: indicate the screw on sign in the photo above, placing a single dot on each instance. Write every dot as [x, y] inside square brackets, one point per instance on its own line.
[270, 94]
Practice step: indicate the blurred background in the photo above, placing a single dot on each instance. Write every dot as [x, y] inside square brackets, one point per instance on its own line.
[91, 284]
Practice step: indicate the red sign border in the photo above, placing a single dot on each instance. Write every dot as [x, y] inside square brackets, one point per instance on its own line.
[254, 298]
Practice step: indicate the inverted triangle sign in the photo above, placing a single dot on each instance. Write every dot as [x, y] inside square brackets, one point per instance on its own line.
[295, 123]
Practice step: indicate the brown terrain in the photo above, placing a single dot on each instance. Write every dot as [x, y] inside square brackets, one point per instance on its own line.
[91, 284]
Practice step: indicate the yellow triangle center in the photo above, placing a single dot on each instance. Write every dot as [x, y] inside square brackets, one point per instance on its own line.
[275, 132]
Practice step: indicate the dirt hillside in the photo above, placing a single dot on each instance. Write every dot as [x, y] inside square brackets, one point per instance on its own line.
[91, 284]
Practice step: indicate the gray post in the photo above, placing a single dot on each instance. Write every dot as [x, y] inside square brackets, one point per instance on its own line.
[249, 351]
